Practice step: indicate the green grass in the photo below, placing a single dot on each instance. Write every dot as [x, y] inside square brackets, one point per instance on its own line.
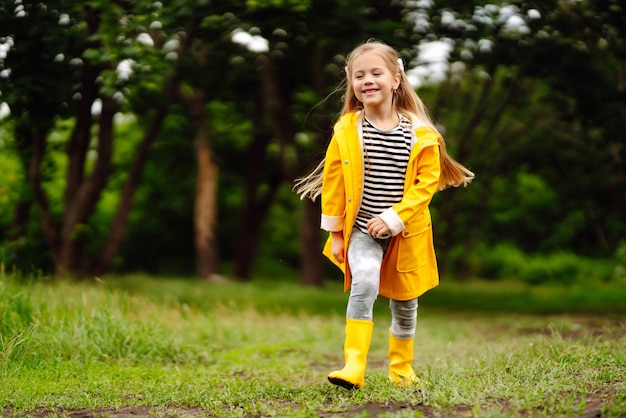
[264, 349]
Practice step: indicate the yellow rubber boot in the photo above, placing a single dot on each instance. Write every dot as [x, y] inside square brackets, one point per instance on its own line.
[358, 338]
[400, 358]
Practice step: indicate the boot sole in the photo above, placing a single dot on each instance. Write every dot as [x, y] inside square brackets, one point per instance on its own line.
[343, 383]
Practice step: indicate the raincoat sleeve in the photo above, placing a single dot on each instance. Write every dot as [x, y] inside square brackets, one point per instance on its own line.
[333, 190]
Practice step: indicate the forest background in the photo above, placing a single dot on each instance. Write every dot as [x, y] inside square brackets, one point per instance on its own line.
[140, 136]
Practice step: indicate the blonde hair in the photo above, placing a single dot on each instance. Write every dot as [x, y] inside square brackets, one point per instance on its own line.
[407, 102]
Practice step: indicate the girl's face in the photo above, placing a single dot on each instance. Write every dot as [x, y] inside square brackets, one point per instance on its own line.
[373, 82]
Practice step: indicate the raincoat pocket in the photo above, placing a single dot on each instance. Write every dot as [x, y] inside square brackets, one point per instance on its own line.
[415, 244]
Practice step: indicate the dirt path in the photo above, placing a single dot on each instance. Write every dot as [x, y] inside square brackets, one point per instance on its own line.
[593, 409]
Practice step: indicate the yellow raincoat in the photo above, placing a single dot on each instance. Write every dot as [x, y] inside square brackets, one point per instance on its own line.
[409, 268]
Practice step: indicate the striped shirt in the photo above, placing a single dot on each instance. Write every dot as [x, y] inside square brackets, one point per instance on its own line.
[385, 159]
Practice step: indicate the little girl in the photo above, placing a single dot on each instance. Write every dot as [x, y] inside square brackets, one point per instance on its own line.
[383, 165]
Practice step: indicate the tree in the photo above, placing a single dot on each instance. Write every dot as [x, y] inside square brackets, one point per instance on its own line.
[62, 63]
[532, 102]
[210, 29]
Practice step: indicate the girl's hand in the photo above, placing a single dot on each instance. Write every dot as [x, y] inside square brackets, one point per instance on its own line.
[337, 246]
[377, 228]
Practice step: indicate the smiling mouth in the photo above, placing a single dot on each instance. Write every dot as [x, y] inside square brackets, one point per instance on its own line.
[369, 91]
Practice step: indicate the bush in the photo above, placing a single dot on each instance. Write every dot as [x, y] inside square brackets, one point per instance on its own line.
[507, 262]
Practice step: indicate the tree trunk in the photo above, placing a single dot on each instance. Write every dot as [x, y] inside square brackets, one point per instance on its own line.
[272, 106]
[255, 209]
[205, 214]
[118, 226]
[310, 258]
[247, 242]
[255, 213]
[38, 148]
[81, 134]
[81, 204]
[65, 249]
[20, 218]
[70, 260]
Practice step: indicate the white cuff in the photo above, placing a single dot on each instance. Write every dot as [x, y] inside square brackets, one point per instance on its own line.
[332, 223]
[393, 221]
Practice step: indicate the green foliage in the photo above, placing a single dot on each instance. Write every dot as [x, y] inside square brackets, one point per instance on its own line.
[505, 262]
[294, 5]
[526, 206]
[282, 226]
[521, 115]
[12, 178]
[162, 219]
[542, 134]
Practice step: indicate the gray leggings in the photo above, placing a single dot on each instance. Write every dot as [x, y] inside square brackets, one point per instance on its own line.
[365, 257]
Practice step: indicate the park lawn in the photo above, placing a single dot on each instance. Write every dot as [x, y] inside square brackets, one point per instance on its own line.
[174, 347]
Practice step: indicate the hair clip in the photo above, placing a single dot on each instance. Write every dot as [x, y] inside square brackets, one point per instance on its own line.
[400, 64]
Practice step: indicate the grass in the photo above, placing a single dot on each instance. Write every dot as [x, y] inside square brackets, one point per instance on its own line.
[179, 347]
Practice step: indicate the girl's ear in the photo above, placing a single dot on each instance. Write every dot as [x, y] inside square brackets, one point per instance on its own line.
[396, 81]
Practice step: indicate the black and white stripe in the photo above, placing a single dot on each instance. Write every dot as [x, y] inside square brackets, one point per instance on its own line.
[385, 158]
